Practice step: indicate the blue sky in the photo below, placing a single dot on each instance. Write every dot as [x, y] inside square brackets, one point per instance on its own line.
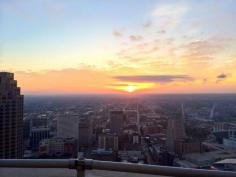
[125, 37]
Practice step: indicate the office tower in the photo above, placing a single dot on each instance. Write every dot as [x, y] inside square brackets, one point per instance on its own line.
[175, 130]
[85, 133]
[39, 130]
[117, 118]
[131, 117]
[170, 135]
[36, 135]
[180, 125]
[40, 121]
[11, 117]
[177, 142]
[68, 126]
[108, 142]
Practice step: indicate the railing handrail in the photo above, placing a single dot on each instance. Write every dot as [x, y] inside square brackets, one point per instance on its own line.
[89, 164]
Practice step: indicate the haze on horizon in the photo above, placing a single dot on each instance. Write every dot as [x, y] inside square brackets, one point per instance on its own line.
[101, 46]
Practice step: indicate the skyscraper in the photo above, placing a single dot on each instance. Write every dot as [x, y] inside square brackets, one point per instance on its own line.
[175, 130]
[11, 117]
[68, 126]
[117, 118]
[85, 133]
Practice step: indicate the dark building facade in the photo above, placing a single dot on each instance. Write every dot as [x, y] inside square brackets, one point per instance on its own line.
[85, 133]
[11, 117]
[175, 130]
[117, 118]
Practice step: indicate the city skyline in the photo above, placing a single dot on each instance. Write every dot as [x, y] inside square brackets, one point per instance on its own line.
[81, 47]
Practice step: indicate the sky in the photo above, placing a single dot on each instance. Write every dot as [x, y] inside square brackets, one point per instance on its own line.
[125, 46]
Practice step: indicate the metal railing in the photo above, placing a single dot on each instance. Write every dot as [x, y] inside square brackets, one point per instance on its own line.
[89, 164]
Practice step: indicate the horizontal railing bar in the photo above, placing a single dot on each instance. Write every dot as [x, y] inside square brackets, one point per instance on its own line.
[155, 169]
[38, 163]
[113, 166]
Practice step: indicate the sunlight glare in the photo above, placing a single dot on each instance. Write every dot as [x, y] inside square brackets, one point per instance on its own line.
[131, 88]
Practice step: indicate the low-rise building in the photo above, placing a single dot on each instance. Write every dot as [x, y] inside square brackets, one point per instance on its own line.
[58, 147]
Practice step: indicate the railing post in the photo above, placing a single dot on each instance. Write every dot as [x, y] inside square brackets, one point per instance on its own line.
[80, 171]
[80, 166]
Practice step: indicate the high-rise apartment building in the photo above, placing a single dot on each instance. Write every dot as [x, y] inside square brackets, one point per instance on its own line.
[11, 117]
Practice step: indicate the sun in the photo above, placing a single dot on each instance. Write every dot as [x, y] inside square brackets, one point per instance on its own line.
[130, 88]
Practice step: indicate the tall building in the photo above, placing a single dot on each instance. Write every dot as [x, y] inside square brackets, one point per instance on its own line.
[11, 117]
[85, 133]
[39, 130]
[108, 142]
[68, 126]
[131, 117]
[117, 118]
[180, 125]
[36, 135]
[170, 142]
[175, 130]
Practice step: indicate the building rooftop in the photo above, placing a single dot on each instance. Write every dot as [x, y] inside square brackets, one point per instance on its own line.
[207, 158]
[227, 161]
[52, 172]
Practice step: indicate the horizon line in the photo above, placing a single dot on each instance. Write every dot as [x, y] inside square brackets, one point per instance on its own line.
[128, 94]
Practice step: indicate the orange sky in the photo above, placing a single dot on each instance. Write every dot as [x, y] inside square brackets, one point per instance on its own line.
[71, 47]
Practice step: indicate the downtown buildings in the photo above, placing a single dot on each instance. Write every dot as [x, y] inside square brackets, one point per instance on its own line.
[117, 118]
[11, 117]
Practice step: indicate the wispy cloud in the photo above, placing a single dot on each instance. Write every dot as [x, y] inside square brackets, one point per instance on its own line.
[117, 33]
[147, 24]
[135, 38]
[169, 15]
[120, 85]
[154, 78]
[53, 10]
[205, 48]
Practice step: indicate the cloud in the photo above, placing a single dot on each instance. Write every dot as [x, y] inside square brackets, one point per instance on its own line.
[52, 10]
[170, 10]
[221, 76]
[161, 31]
[120, 85]
[135, 38]
[205, 50]
[140, 51]
[170, 15]
[117, 33]
[154, 78]
[147, 24]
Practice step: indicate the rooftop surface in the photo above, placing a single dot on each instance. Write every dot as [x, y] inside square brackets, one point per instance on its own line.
[52, 172]
[227, 161]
